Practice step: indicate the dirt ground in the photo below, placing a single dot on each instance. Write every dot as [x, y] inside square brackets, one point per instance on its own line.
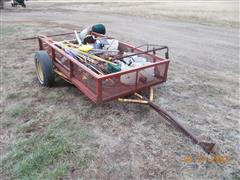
[129, 141]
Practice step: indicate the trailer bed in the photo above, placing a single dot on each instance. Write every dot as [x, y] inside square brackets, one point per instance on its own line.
[100, 88]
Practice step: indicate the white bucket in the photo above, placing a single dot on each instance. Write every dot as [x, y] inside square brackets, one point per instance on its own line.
[129, 78]
[140, 60]
[148, 72]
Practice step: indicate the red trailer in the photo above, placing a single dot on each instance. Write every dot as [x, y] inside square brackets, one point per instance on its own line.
[97, 87]
[51, 60]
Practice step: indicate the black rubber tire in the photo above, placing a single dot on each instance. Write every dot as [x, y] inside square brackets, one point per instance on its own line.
[45, 62]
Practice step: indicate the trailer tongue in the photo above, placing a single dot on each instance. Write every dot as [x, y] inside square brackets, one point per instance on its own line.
[206, 146]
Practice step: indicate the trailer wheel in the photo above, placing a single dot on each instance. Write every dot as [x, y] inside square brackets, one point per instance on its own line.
[44, 68]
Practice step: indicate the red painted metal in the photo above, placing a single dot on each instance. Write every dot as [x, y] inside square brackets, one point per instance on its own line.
[101, 88]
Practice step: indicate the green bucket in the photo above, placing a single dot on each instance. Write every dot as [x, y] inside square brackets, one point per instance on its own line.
[99, 28]
[114, 68]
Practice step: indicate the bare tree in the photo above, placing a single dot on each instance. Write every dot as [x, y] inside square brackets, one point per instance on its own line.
[1, 4]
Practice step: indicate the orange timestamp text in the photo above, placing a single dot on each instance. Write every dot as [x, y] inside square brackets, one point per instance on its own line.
[200, 159]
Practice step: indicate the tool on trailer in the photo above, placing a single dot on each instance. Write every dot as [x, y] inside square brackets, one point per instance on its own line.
[86, 61]
[70, 33]
[85, 48]
[52, 35]
[74, 53]
[77, 37]
[89, 55]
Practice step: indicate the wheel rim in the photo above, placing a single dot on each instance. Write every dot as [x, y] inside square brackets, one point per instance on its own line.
[39, 72]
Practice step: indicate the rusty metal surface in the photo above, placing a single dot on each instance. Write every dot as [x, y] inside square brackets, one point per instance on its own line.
[207, 147]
